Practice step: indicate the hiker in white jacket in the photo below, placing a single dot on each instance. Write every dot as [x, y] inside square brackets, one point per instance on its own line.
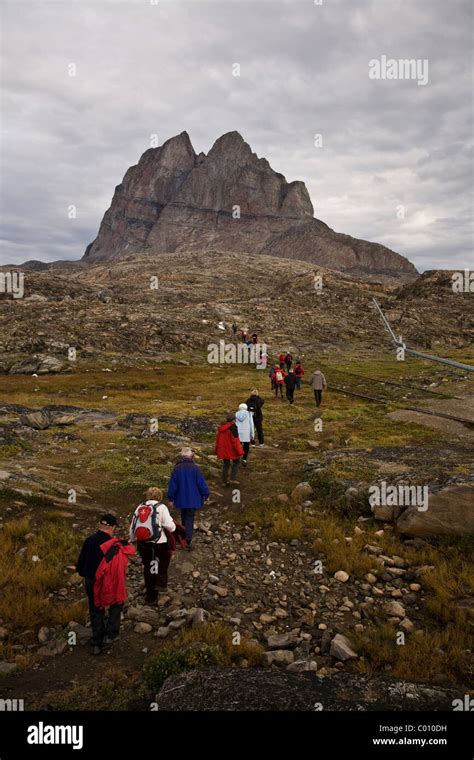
[246, 429]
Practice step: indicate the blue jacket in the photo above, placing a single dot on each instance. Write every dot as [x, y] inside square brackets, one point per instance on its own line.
[187, 488]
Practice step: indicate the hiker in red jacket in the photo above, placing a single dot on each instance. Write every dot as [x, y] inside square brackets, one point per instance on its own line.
[281, 360]
[229, 449]
[278, 378]
[108, 577]
[299, 372]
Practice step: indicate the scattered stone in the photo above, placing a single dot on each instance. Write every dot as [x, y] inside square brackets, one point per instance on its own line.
[143, 628]
[282, 640]
[342, 648]
[302, 666]
[219, 590]
[395, 609]
[301, 492]
[341, 576]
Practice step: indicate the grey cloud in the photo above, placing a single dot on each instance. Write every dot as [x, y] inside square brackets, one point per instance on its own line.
[144, 69]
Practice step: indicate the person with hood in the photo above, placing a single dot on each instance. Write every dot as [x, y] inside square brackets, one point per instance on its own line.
[278, 378]
[290, 382]
[187, 490]
[246, 429]
[281, 359]
[254, 405]
[318, 384]
[104, 631]
[151, 523]
[229, 449]
[288, 361]
[299, 372]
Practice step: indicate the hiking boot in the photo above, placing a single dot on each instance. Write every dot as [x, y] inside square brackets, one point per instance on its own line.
[96, 650]
[261, 445]
[108, 641]
[244, 463]
[234, 482]
[188, 547]
[226, 483]
[151, 599]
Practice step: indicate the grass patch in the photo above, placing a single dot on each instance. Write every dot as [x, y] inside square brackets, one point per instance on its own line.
[206, 645]
[114, 690]
[422, 657]
[24, 584]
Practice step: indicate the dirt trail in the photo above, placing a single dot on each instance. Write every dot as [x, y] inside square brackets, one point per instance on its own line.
[76, 665]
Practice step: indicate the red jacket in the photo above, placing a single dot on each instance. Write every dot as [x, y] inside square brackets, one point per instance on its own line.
[228, 444]
[274, 378]
[109, 586]
[282, 358]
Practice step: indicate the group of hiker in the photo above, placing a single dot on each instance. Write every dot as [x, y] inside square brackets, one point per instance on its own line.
[237, 433]
[244, 335]
[104, 557]
[284, 374]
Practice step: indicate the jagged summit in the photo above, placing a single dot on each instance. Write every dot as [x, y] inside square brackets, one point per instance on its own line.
[229, 200]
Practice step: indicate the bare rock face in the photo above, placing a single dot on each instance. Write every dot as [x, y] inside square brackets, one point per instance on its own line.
[230, 201]
[450, 512]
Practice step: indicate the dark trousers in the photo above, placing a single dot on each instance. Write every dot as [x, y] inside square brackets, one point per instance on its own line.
[227, 466]
[288, 366]
[290, 392]
[318, 396]
[187, 518]
[246, 448]
[281, 389]
[155, 575]
[259, 430]
[101, 626]
[298, 383]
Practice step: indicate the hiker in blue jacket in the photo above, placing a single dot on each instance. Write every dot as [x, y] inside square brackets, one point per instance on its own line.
[187, 490]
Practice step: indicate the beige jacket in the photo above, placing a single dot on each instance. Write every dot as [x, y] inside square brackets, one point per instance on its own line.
[318, 381]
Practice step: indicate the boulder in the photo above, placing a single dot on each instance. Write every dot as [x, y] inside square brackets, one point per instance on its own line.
[36, 420]
[395, 609]
[301, 492]
[278, 657]
[143, 628]
[282, 640]
[50, 364]
[450, 512]
[341, 648]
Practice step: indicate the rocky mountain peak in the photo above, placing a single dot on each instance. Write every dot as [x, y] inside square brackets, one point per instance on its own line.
[229, 200]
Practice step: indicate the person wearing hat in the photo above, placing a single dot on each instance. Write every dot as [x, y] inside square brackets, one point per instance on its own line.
[104, 631]
[246, 429]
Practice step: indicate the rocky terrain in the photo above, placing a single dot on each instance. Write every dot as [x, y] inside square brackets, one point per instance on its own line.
[150, 305]
[104, 375]
[231, 201]
[314, 582]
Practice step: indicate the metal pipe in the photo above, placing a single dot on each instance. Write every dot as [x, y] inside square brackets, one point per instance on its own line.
[399, 344]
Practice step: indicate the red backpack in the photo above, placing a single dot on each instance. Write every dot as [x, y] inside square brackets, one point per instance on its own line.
[145, 525]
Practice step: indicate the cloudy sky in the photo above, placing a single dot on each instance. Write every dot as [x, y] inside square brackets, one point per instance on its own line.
[395, 164]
